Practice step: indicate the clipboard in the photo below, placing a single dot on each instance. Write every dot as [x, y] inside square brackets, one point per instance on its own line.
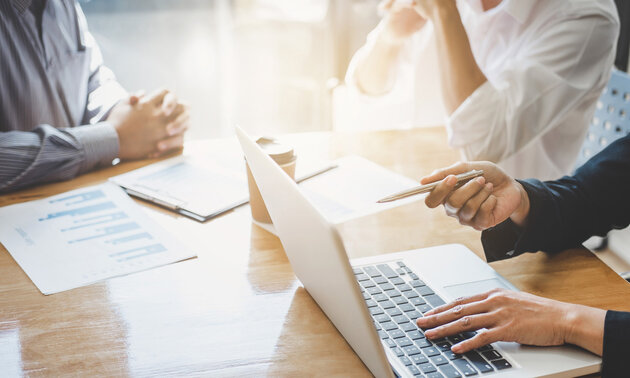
[198, 188]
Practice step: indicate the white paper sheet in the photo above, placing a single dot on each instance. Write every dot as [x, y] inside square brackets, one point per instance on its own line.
[204, 184]
[84, 236]
[200, 185]
[352, 189]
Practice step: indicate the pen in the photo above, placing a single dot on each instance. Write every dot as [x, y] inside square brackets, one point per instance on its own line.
[461, 180]
[316, 173]
[153, 199]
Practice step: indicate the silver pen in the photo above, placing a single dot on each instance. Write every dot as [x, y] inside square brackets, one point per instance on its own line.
[316, 173]
[461, 180]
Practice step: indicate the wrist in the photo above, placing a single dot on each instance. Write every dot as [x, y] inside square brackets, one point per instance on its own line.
[584, 327]
[443, 10]
[389, 39]
[519, 216]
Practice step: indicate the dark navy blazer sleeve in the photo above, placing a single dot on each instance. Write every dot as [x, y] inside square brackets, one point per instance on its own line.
[566, 212]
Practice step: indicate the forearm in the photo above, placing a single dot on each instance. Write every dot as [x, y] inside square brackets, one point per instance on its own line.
[376, 73]
[585, 327]
[564, 213]
[460, 75]
[605, 333]
[48, 154]
[560, 215]
[568, 211]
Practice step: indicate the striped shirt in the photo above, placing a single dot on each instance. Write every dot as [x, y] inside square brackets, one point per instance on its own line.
[55, 94]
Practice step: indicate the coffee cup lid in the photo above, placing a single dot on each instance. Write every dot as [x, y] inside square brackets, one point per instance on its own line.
[280, 153]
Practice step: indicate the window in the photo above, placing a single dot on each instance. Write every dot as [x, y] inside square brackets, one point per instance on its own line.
[264, 64]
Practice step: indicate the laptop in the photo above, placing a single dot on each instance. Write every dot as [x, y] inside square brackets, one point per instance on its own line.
[373, 302]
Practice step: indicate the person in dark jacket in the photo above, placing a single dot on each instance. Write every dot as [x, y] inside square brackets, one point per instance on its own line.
[518, 216]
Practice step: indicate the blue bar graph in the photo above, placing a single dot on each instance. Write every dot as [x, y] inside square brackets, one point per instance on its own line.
[125, 239]
[112, 217]
[91, 218]
[81, 210]
[109, 231]
[148, 250]
[84, 236]
[87, 196]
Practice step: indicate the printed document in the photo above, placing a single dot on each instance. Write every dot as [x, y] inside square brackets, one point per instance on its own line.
[84, 236]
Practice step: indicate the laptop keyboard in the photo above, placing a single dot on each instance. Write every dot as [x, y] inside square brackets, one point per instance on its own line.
[396, 297]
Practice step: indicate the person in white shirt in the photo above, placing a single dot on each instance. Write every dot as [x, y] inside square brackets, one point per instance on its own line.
[519, 79]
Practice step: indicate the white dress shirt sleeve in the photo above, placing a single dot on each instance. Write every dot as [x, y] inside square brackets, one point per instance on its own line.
[536, 90]
[397, 106]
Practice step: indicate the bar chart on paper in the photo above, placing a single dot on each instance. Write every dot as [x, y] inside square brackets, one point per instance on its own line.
[85, 236]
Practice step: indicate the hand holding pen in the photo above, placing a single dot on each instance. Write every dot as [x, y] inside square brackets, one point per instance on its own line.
[478, 201]
[461, 179]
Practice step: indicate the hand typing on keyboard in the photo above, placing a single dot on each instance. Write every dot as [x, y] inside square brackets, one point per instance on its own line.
[506, 315]
[396, 297]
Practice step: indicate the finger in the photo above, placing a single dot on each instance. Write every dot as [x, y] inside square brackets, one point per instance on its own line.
[440, 174]
[169, 104]
[170, 143]
[458, 198]
[470, 208]
[439, 194]
[135, 98]
[179, 125]
[385, 5]
[480, 339]
[178, 109]
[453, 314]
[458, 302]
[485, 218]
[464, 324]
[156, 97]
[399, 6]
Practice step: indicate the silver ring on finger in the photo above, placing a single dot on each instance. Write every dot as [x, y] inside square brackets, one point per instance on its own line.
[452, 210]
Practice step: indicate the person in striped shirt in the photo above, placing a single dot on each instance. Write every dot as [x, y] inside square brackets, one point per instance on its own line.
[62, 112]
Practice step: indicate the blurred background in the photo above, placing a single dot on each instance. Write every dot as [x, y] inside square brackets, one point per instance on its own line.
[269, 65]
[272, 66]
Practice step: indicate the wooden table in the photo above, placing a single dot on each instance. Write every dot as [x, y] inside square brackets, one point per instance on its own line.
[238, 309]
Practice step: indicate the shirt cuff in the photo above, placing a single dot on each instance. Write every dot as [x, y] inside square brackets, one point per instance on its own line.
[99, 143]
[507, 240]
[499, 241]
[616, 344]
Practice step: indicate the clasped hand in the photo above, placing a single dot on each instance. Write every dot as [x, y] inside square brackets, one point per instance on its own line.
[149, 126]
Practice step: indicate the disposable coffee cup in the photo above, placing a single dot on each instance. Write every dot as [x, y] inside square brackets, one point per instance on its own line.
[285, 157]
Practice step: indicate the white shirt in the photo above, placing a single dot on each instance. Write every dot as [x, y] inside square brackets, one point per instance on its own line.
[546, 61]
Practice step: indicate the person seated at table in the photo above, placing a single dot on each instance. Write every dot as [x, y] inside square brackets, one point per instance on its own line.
[519, 79]
[62, 112]
[519, 216]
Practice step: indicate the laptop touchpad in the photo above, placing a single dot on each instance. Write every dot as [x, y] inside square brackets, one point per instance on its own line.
[475, 287]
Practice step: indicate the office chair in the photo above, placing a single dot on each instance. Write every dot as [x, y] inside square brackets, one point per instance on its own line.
[611, 120]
